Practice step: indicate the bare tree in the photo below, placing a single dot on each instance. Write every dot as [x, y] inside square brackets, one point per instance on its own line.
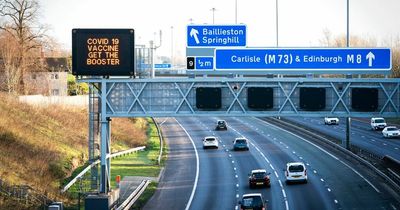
[19, 20]
[10, 68]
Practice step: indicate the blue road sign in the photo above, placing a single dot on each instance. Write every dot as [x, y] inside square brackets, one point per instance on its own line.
[327, 59]
[162, 65]
[204, 63]
[216, 35]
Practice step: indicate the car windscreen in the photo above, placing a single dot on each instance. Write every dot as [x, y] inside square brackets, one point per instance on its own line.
[260, 175]
[221, 122]
[379, 121]
[254, 201]
[392, 129]
[210, 139]
[241, 141]
[296, 168]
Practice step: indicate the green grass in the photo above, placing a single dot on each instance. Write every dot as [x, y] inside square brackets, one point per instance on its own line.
[141, 163]
[393, 120]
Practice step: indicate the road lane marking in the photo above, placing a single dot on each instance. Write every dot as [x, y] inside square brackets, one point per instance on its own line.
[322, 180]
[335, 201]
[326, 152]
[276, 174]
[262, 154]
[284, 193]
[280, 183]
[197, 168]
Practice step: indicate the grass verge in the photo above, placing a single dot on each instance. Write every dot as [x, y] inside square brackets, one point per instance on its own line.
[142, 163]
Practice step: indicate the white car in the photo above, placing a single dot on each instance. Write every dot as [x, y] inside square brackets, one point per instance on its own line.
[331, 121]
[378, 123]
[390, 131]
[210, 141]
[296, 172]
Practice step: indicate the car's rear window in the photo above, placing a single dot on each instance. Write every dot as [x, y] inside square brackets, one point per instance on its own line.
[392, 129]
[241, 141]
[210, 139]
[259, 175]
[254, 201]
[221, 122]
[296, 168]
[379, 121]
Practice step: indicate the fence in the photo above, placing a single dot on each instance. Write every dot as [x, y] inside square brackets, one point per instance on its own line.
[24, 194]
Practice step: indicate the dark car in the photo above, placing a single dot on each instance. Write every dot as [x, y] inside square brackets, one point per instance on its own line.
[259, 177]
[221, 125]
[240, 144]
[253, 201]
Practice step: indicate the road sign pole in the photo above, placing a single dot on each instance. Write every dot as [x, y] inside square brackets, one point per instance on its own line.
[104, 135]
[348, 132]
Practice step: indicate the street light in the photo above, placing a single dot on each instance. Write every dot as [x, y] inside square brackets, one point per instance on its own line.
[213, 11]
[277, 34]
[235, 11]
[348, 27]
[172, 46]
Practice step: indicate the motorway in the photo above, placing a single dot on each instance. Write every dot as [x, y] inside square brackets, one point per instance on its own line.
[361, 135]
[195, 178]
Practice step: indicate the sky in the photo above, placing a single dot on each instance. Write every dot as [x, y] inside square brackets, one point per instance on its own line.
[301, 23]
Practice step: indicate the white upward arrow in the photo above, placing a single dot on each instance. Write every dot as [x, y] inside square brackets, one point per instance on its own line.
[370, 56]
[193, 33]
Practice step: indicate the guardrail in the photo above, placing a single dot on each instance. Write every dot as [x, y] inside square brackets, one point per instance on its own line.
[83, 172]
[132, 198]
[161, 141]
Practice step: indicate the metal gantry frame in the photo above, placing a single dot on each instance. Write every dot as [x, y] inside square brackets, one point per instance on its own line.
[174, 97]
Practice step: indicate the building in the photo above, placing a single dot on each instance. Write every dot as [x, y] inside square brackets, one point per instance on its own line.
[50, 79]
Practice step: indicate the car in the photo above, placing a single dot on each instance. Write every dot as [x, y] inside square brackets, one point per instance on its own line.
[254, 201]
[221, 125]
[240, 143]
[331, 121]
[378, 123]
[210, 141]
[259, 177]
[390, 132]
[296, 172]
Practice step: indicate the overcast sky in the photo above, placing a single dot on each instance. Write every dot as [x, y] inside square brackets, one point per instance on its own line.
[301, 22]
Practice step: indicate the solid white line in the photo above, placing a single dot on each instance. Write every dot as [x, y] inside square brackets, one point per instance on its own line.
[326, 152]
[197, 168]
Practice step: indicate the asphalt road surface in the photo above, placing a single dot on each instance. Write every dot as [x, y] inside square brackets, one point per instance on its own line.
[197, 178]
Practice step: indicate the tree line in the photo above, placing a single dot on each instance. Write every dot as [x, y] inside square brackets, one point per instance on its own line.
[23, 40]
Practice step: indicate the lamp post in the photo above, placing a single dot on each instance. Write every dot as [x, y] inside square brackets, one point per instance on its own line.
[235, 11]
[213, 13]
[277, 31]
[172, 46]
[348, 120]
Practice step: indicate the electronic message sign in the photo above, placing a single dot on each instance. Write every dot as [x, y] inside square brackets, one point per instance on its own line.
[103, 52]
